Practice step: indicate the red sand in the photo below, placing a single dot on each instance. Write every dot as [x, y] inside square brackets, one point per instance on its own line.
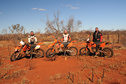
[56, 72]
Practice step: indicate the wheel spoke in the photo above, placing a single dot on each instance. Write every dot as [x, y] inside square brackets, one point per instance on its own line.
[50, 52]
[84, 51]
[39, 53]
[73, 51]
[108, 52]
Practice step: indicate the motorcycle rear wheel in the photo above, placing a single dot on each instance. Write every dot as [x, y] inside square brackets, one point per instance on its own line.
[40, 53]
[107, 52]
[73, 51]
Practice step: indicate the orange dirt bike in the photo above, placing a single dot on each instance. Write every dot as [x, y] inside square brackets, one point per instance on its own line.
[37, 52]
[57, 45]
[97, 48]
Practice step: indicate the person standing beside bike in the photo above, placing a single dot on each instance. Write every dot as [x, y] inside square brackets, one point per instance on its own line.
[97, 36]
[32, 40]
[66, 38]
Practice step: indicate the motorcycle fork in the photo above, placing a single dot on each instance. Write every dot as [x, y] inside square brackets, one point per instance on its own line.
[19, 53]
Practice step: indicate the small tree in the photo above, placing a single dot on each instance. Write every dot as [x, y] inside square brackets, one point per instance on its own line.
[57, 26]
[16, 29]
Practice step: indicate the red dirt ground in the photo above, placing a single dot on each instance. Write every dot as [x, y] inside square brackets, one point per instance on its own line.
[45, 71]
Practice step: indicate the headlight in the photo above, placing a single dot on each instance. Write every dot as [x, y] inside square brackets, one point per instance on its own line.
[22, 43]
[16, 49]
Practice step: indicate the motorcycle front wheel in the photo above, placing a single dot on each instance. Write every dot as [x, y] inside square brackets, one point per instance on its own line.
[15, 56]
[84, 51]
[50, 53]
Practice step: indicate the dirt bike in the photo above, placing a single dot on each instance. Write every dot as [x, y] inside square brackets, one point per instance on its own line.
[37, 52]
[57, 45]
[97, 48]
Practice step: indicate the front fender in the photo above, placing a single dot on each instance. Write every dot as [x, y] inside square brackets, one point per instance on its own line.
[17, 48]
[51, 45]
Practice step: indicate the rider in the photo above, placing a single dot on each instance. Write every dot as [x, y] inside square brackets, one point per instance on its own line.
[66, 38]
[32, 40]
[97, 36]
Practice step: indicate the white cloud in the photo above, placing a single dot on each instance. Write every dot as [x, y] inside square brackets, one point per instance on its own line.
[61, 4]
[34, 8]
[74, 8]
[1, 13]
[77, 3]
[41, 9]
[68, 5]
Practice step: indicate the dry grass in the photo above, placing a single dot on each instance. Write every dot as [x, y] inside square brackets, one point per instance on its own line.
[108, 70]
[99, 81]
[25, 81]
[16, 74]
[117, 54]
[1, 61]
[51, 79]
[5, 70]
[116, 66]
[57, 76]
[47, 43]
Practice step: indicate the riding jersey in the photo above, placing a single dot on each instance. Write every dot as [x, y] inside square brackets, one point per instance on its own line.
[97, 36]
[66, 37]
[32, 39]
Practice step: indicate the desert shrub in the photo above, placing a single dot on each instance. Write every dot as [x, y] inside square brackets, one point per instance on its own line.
[17, 74]
[31, 64]
[123, 73]
[0, 61]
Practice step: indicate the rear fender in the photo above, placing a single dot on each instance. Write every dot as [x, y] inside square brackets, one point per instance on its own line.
[103, 44]
[71, 43]
[40, 43]
[108, 43]
[84, 44]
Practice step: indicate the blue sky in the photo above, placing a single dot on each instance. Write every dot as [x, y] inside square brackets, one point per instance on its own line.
[105, 14]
